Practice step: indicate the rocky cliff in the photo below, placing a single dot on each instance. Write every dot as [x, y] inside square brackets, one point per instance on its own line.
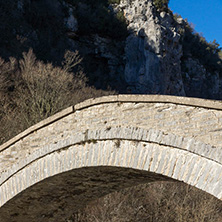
[128, 45]
[152, 50]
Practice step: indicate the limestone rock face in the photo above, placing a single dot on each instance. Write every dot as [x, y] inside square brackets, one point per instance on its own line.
[152, 50]
[200, 83]
[149, 60]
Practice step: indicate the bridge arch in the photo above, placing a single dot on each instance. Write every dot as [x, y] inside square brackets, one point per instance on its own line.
[95, 161]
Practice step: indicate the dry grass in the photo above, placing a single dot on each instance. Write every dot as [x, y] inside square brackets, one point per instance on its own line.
[155, 202]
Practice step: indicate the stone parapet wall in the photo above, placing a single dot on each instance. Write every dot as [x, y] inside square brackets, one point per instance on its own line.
[120, 99]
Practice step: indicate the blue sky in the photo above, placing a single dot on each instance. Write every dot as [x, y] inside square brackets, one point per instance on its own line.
[206, 15]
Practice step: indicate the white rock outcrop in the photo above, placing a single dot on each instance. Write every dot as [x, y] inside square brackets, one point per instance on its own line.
[152, 50]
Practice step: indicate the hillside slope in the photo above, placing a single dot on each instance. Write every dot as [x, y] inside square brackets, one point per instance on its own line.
[131, 46]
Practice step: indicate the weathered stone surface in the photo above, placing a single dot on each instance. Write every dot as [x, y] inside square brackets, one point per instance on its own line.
[93, 182]
[148, 138]
[152, 50]
[197, 80]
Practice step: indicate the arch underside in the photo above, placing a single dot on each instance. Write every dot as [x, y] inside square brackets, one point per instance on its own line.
[57, 197]
[57, 183]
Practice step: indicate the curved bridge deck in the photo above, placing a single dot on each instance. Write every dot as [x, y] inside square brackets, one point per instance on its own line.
[106, 144]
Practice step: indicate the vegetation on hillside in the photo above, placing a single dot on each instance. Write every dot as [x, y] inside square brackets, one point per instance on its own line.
[31, 90]
[38, 25]
[206, 52]
[101, 18]
[196, 46]
[161, 5]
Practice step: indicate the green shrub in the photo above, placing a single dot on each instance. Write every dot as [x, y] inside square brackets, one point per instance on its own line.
[208, 53]
[114, 1]
[161, 5]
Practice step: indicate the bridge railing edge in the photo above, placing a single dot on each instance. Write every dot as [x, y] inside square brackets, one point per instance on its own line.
[188, 101]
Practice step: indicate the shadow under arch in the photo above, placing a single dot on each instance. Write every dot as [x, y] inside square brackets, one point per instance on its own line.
[58, 197]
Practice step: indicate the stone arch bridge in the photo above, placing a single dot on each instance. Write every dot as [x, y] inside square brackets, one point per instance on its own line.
[106, 144]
